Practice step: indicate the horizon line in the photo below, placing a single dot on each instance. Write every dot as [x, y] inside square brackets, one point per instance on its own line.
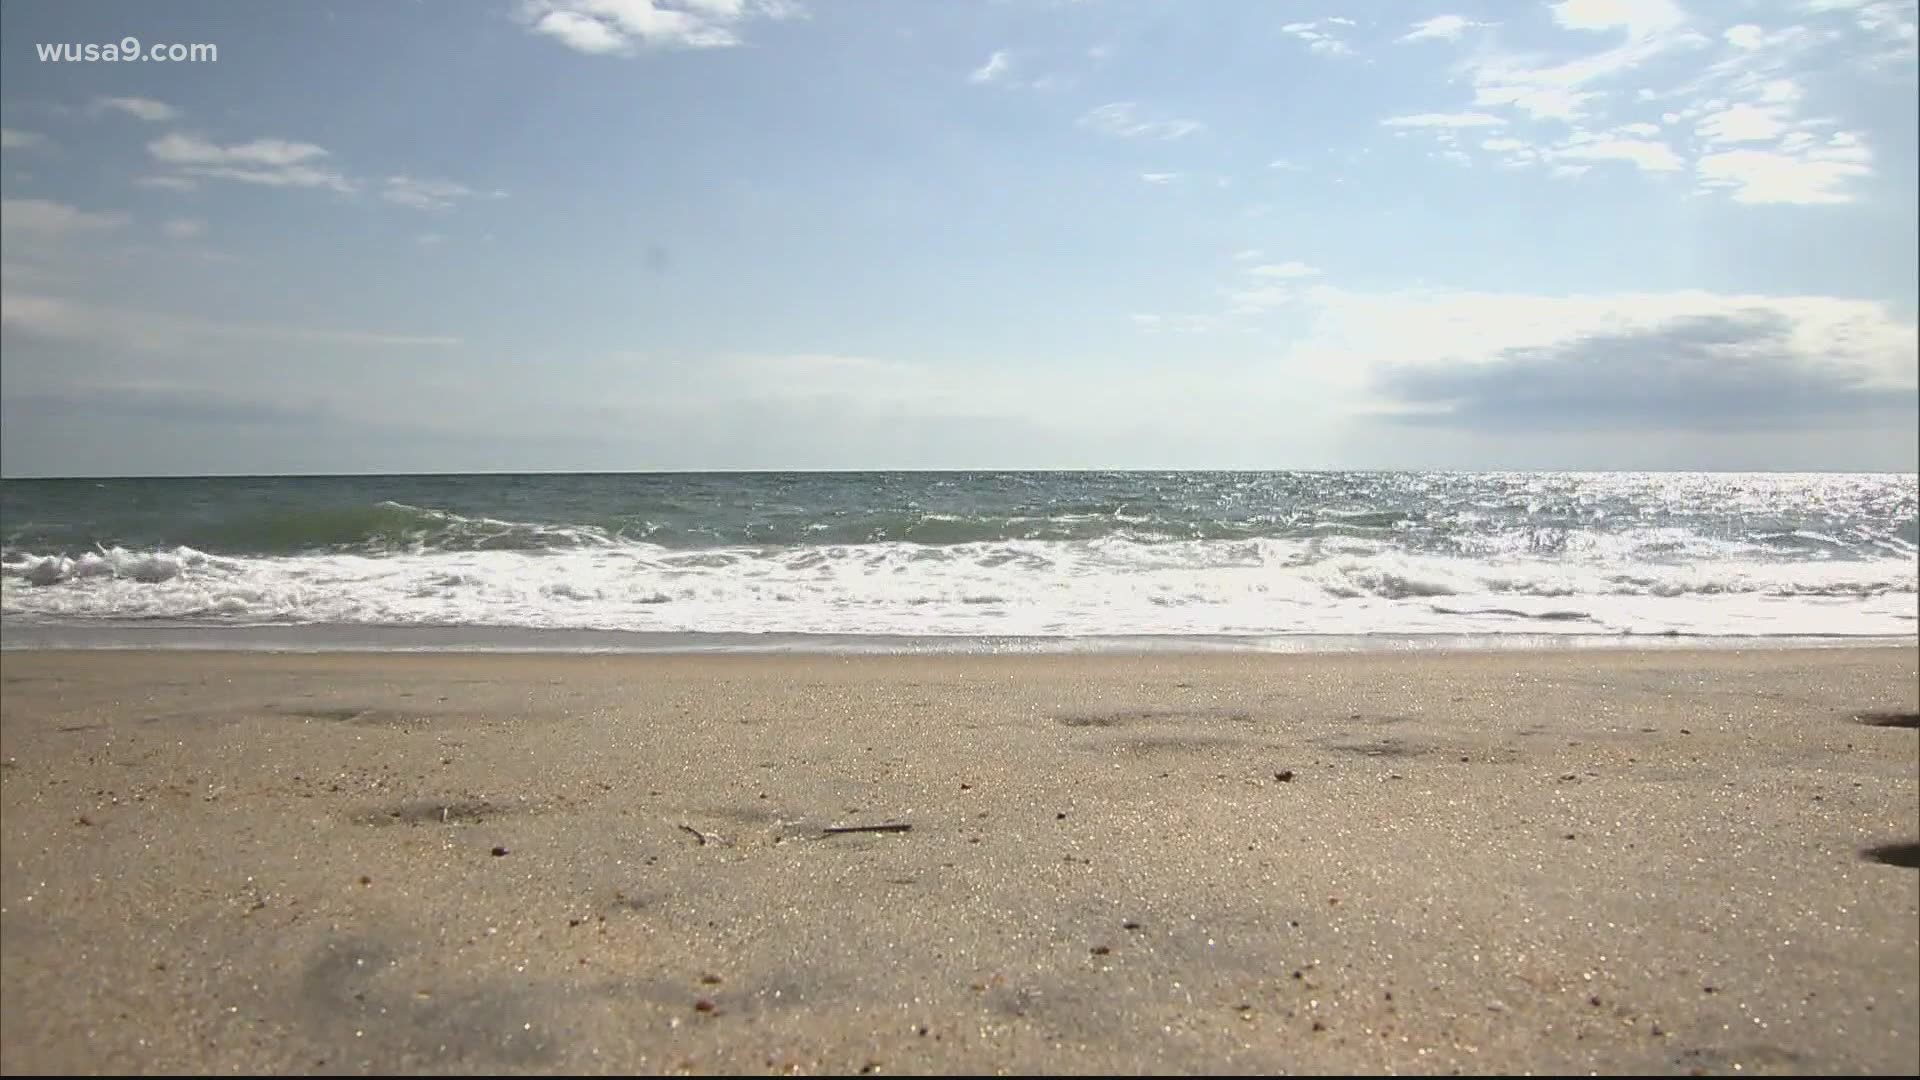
[921, 471]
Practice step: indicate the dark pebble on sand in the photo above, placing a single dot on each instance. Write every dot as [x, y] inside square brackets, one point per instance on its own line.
[703, 1005]
[710, 979]
[1129, 925]
[1285, 776]
[365, 880]
[499, 851]
[1100, 950]
[1060, 816]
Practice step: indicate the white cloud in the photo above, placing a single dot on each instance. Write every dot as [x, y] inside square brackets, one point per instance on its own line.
[581, 33]
[1566, 90]
[178, 149]
[184, 228]
[995, 67]
[14, 139]
[1121, 120]
[623, 26]
[153, 112]
[1318, 35]
[1284, 165]
[274, 162]
[1749, 139]
[1355, 336]
[1159, 177]
[1742, 123]
[1755, 144]
[1444, 120]
[1638, 17]
[1175, 324]
[1802, 169]
[1289, 269]
[429, 194]
[60, 319]
[168, 183]
[43, 217]
[1440, 28]
[1273, 285]
[1648, 155]
[1890, 24]
[1248, 255]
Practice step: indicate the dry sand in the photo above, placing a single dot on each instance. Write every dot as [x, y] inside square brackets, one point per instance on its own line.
[1644, 862]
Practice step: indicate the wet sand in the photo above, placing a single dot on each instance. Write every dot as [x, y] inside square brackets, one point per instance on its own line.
[1665, 862]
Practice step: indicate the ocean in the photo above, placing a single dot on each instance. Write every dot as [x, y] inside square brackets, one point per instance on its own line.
[957, 560]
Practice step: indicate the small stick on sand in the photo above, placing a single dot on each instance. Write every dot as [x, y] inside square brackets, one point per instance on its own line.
[892, 826]
[705, 838]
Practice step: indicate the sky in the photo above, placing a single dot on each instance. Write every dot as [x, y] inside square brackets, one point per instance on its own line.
[550, 235]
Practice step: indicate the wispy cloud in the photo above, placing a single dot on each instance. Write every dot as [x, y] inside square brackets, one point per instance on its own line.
[1644, 153]
[995, 67]
[14, 139]
[622, 27]
[1444, 120]
[1289, 269]
[62, 319]
[274, 162]
[153, 112]
[430, 194]
[167, 183]
[1441, 28]
[1567, 90]
[1802, 169]
[46, 218]
[1749, 137]
[1889, 25]
[184, 228]
[1121, 119]
[1159, 178]
[1321, 35]
[1269, 285]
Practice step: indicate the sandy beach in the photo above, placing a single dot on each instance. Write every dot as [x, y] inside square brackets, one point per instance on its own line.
[1667, 862]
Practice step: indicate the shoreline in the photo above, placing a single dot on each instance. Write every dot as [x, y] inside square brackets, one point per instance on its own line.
[322, 638]
[1657, 860]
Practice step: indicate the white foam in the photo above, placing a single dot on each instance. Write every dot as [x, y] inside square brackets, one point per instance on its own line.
[1110, 586]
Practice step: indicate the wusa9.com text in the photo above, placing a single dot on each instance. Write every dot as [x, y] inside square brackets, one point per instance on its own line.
[127, 48]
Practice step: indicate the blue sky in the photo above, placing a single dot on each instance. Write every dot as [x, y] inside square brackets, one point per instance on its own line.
[646, 234]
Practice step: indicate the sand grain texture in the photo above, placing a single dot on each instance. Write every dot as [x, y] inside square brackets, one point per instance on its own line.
[1643, 862]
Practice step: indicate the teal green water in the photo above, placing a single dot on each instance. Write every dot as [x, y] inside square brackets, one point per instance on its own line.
[977, 553]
